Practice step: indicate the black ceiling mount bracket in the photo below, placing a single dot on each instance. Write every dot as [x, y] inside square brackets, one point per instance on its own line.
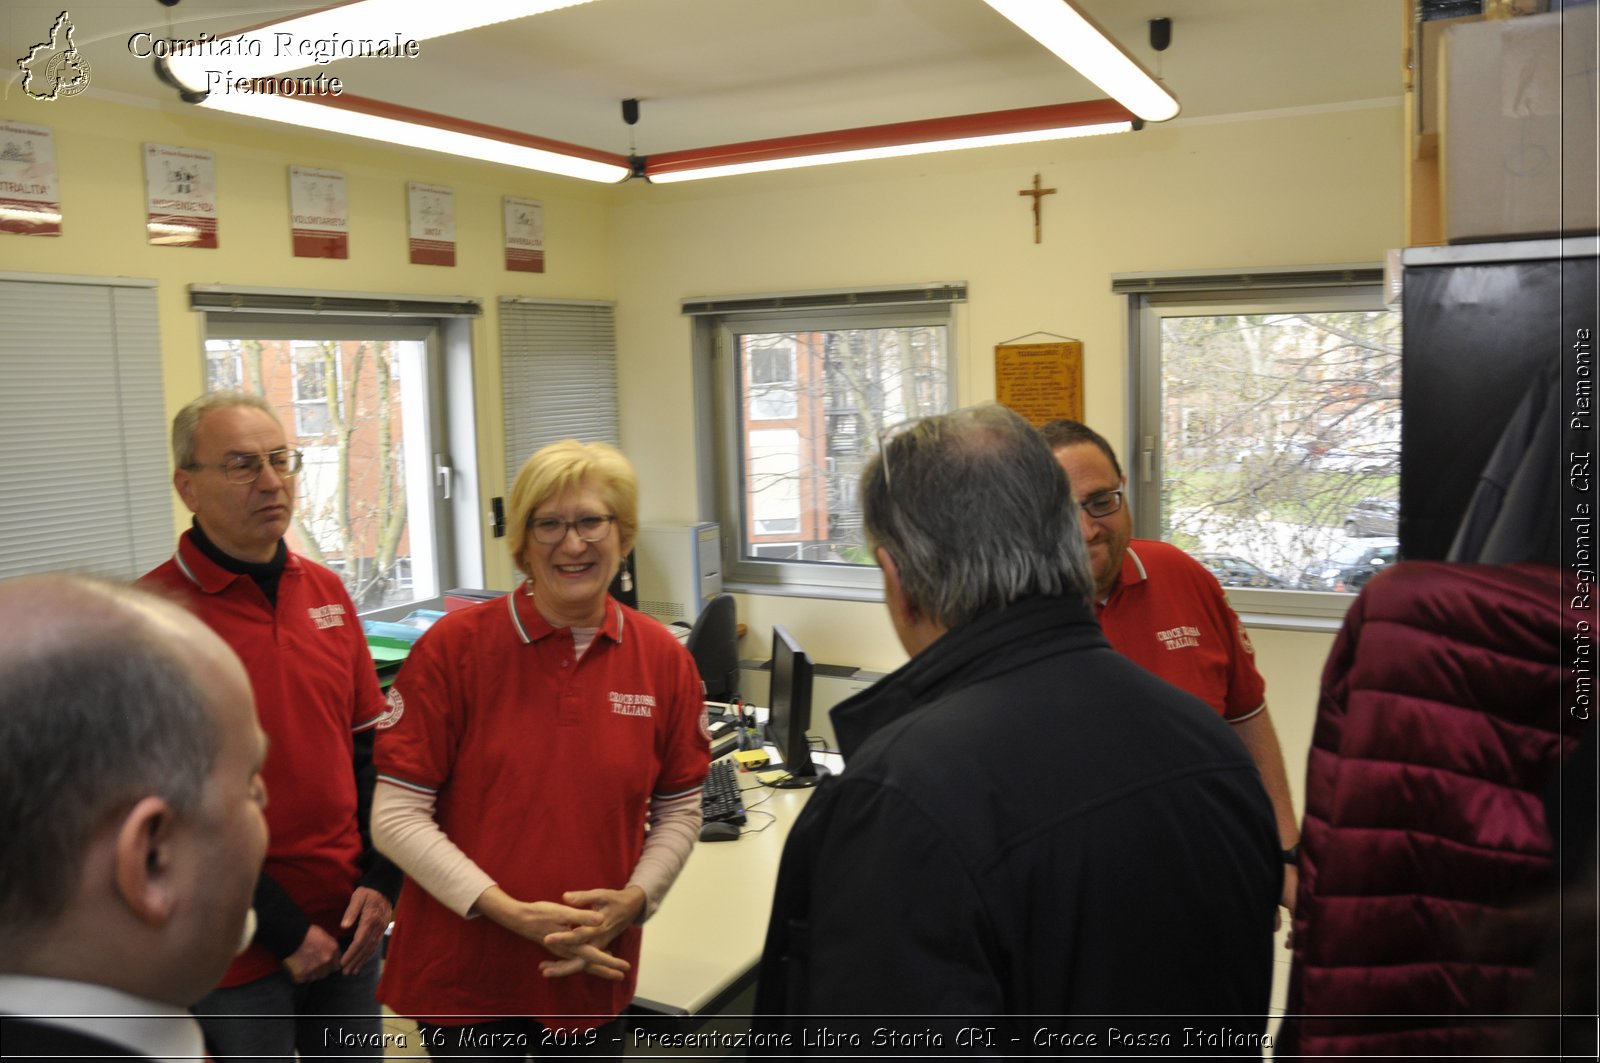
[630, 111]
[185, 93]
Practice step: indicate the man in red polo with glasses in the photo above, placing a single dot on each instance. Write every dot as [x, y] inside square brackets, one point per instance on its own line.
[324, 898]
[1161, 608]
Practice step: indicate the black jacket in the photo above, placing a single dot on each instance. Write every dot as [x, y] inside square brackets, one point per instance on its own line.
[1028, 823]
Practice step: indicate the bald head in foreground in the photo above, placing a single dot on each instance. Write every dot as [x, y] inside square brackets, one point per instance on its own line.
[131, 825]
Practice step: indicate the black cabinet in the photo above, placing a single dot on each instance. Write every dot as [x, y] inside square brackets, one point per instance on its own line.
[1482, 324]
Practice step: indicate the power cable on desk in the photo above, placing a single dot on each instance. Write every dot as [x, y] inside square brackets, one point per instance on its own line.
[771, 819]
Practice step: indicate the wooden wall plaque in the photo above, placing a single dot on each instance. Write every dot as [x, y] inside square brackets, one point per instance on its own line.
[1040, 381]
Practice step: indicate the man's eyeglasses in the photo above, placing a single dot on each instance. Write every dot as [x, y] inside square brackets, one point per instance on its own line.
[247, 468]
[1103, 504]
[551, 530]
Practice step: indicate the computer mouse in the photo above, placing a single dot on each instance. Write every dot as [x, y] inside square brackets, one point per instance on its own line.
[718, 831]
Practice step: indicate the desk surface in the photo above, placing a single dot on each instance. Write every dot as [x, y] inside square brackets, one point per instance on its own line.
[709, 931]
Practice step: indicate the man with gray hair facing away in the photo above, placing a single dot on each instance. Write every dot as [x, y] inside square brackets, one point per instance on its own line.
[131, 825]
[1028, 823]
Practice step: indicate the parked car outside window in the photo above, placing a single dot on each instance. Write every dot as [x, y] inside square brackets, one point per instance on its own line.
[1349, 568]
[1237, 572]
[1373, 516]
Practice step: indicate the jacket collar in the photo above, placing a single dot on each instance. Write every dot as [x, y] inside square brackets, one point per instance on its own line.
[209, 576]
[999, 641]
[530, 625]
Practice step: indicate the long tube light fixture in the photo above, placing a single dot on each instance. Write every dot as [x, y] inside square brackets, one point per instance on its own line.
[276, 47]
[1066, 31]
[359, 116]
[1054, 23]
[1020, 126]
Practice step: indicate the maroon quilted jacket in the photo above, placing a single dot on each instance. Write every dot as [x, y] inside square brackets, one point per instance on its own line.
[1438, 731]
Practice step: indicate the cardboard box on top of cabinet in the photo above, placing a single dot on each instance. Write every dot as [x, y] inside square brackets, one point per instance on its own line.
[1517, 147]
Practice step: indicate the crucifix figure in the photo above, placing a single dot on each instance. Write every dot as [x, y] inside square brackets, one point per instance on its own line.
[1036, 192]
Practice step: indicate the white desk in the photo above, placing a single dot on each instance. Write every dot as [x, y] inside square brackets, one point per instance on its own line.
[709, 931]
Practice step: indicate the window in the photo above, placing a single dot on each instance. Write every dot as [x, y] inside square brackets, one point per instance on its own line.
[316, 368]
[800, 396]
[1269, 433]
[769, 361]
[368, 397]
[224, 368]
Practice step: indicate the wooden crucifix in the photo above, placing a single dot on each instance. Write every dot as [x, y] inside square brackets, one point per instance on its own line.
[1037, 193]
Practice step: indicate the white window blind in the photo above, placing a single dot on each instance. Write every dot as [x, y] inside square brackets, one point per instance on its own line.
[558, 374]
[85, 479]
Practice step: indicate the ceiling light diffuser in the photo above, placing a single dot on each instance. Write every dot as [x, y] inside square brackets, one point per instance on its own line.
[358, 116]
[1020, 126]
[292, 44]
[1066, 31]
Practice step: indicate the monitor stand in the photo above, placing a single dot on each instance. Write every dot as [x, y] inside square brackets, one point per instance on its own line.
[809, 776]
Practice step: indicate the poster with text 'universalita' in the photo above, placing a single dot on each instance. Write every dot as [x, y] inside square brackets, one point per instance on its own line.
[524, 235]
[30, 196]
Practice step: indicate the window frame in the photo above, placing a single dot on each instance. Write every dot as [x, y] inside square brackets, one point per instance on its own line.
[1315, 289]
[445, 327]
[718, 394]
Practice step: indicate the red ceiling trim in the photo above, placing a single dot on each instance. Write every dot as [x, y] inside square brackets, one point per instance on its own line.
[1022, 119]
[378, 108]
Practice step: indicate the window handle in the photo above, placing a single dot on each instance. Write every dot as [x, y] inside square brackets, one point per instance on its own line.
[443, 474]
[1147, 459]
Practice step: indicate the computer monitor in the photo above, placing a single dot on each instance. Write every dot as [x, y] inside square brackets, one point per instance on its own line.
[789, 710]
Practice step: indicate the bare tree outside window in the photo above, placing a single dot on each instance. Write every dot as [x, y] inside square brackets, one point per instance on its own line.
[1281, 445]
[813, 404]
[342, 400]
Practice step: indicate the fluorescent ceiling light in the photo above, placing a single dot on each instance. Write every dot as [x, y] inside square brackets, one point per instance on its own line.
[860, 154]
[275, 47]
[1021, 126]
[360, 117]
[1060, 27]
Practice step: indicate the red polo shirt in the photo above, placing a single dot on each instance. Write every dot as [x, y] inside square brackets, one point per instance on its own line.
[1168, 614]
[544, 766]
[315, 685]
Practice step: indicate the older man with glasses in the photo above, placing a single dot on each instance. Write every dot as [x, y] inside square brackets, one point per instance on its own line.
[324, 897]
[1160, 607]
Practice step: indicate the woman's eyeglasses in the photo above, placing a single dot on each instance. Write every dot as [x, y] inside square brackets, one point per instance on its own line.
[551, 530]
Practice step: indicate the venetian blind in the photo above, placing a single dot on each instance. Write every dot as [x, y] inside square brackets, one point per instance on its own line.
[85, 478]
[558, 374]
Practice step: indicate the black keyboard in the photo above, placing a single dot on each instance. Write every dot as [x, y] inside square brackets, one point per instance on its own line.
[721, 801]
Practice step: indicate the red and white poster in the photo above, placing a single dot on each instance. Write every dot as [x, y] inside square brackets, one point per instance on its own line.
[319, 214]
[433, 224]
[524, 235]
[180, 196]
[30, 191]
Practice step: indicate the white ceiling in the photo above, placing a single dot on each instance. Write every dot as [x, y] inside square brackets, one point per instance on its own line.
[713, 72]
